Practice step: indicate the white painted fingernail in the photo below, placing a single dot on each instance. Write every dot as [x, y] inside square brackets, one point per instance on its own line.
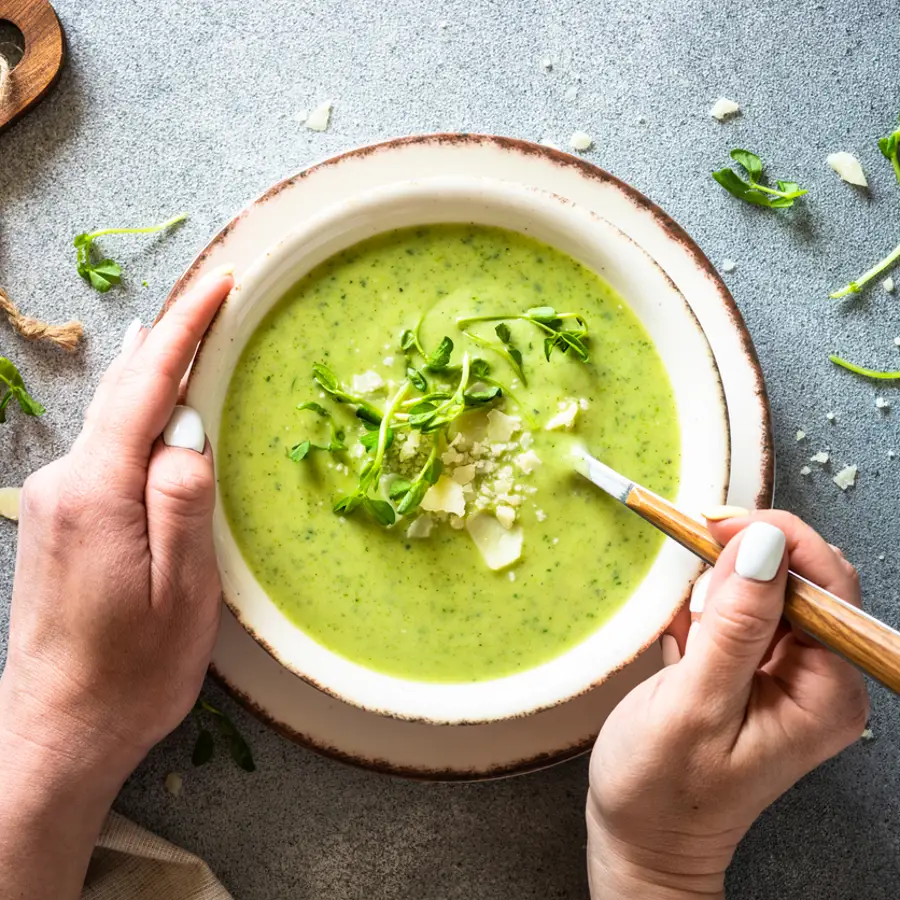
[131, 332]
[760, 553]
[698, 594]
[185, 430]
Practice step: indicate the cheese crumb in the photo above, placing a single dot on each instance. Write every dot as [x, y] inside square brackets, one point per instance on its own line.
[410, 446]
[805, 471]
[540, 515]
[820, 457]
[728, 265]
[445, 496]
[867, 734]
[506, 516]
[848, 167]
[881, 557]
[501, 427]
[888, 284]
[546, 63]
[319, 118]
[897, 341]
[830, 416]
[723, 108]
[527, 461]
[498, 546]
[580, 140]
[457, 523]
[881, 403]
[420, 527]
[565, 418]
[9, 503]
[173, 783]
[846, 478]
[572, 93]
[367, 383]
[801, 435]
[464, 474]
[891, 454]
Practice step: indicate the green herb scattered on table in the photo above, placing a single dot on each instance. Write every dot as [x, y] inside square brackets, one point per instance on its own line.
[890, 147]
[12, 385]
[204, 749]
[104, 273]
[750, 190]
[854, 287]
[860, 370]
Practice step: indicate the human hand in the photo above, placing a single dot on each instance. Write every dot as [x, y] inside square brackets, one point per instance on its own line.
[692, 756]
[116, 595]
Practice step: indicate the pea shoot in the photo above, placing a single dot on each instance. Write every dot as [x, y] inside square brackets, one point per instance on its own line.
[854, 287]
[860, 370]
[890, 149]
[750, 190]
[13, 386]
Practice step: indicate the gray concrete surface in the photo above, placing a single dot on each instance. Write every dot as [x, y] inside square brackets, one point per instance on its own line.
[187, 105]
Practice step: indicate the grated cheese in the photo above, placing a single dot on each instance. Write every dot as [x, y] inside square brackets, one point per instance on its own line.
[173, 783]
[498, 546]
[528, 461]
[9, 503]
[580, 140]
[565, 418]
[445, 496]
[888, 284]
[848, 167]
[367, 383]
[420, 527]
[801, 436]
[821, 457]
[846, 478]
[728, 265]
[723, 108]
[805, 471]
[319, 117]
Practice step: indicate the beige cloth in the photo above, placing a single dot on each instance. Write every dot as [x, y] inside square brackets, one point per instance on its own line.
[130, 863]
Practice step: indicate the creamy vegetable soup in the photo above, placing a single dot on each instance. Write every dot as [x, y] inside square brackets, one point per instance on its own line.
[396, 445]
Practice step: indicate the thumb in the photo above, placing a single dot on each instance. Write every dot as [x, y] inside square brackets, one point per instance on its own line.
[742, 612]
[180, 498]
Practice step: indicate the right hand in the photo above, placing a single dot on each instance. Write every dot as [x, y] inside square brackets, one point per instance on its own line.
[692, 756]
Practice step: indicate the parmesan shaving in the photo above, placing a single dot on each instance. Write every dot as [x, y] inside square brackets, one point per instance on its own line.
[846, 478]
[848, 167]
[367, 383]
[420, 527]
[723, 108]
[565, 418]
[319, 117]
[9, 503]
[498, 546]
[445, 496]
[580, 140]
[501, 427]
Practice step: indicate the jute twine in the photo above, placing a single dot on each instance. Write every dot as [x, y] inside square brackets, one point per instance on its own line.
[66, 336]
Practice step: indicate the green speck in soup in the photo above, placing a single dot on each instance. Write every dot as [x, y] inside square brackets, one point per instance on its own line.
[430, 609]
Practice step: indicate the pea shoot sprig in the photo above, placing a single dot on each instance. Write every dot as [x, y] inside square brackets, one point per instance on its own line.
[750, 190]
[563, 331]
[890, 148]
[13, 386]
[854, 287]
[861, 370]
[102, 274]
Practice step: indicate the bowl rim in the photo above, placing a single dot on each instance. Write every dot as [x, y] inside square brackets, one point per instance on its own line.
[281, 248]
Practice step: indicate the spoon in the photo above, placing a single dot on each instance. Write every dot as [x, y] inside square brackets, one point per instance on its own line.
[863, 640]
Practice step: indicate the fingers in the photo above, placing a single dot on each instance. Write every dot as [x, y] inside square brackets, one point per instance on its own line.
[741, 615]
[180, 498]
[133, 414]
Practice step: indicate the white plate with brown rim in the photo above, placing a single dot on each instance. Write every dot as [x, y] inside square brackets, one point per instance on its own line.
[512, 743]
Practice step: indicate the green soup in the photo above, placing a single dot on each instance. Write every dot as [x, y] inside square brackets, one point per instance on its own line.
[429, 608]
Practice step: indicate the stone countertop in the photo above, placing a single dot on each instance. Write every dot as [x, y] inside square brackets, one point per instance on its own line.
[175, 106]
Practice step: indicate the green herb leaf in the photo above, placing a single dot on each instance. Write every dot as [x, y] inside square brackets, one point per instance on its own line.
[15, 387]
[370, 440]
[503, 332]
[380, 510]
[440, 359]
[203, 749]
[480, 397]
[748, 161]
[890, 148]
[300, 451]
[315, 407]
[416, 379]
[326, 379]
[860, 370]
[543, 314]
[751, 191]
[104, 274]
[407, 340]
[413, 497]
[240, 751]
[480, 369]
[347, 504]
[399, 486]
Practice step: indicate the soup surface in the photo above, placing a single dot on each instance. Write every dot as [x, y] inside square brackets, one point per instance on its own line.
[430, 608]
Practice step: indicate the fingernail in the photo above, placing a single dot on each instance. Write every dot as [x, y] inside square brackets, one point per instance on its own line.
[698, 595]
[131, 332]
[670, 652]
[720, 513]
[219, 272]
[760, 552]
[185, 430]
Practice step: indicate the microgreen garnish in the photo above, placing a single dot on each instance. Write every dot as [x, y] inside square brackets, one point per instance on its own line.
[205, 746]
[438, 360]
[854, 287]
[104, 273]
[331, 384]
[12, 385]
[860, 370]
[890, 147]
[300, 451]
[426, 477]
[565, 331]
[751, 190]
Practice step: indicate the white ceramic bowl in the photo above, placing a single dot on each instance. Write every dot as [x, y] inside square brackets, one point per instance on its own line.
[679, 340]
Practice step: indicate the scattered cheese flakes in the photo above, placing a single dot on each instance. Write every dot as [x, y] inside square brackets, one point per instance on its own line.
[728, 265]
[389, 360]
[848, 167]
[410, 446]
[546, 63]
[445, 496]
[464, 474]
[846, 478]
[881, 403]
[580, 140]
[319, 117]
[526, 440]
[891, 454]
[540, 515]
[830, 416]
[511, 576]
[527, 461]
[565, 418]
[801, 435]
[457, 523]
[498, 546]
[173, 783]
[9, 503]
[572, 93]
[367, 383]
[450, 456]
[897, 341]
[881, 556]
[867, 734]
[501, 427]
[583, 403]
[888, 285]
[723, 108]
[820, 457]
[546, 142]
[805, 470]
[420, 527]
[506, 516]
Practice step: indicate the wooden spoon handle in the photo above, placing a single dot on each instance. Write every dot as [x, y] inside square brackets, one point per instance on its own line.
[861, 639]
[866, 642]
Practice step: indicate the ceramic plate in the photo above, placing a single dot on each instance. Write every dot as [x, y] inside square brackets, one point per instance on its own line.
[324, 723]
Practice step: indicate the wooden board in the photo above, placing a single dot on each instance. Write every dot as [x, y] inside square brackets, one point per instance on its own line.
[44, 52]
